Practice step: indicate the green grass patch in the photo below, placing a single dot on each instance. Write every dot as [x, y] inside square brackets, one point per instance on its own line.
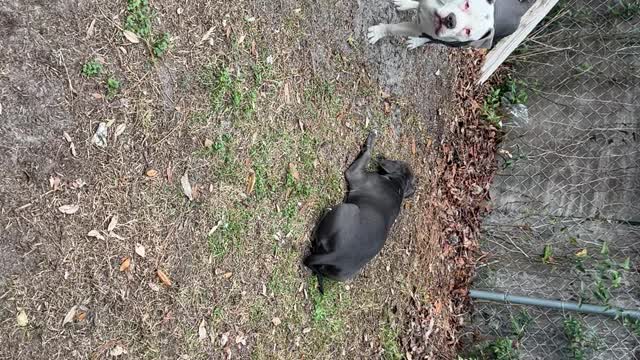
[389, 338]
[231, 90]
[230, 234]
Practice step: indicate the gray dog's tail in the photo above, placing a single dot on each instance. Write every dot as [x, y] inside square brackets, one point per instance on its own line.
[315, 263]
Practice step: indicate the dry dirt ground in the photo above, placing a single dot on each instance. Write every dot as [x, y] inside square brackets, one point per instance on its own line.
[261, 104]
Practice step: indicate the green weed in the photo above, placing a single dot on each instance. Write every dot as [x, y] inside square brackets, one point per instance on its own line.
[113, 86]
[512, 91]
[138, 18]
[606, 275]
[626, 10]
[91, 69]
[580, 341]
[161, 45]
[503, 349]
[520, 322]
[633, 325]
[547, 254]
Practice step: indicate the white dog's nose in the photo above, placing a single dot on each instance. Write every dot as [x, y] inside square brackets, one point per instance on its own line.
[450, 21]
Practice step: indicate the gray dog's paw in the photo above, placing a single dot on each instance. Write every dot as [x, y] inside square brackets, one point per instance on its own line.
[371, 138]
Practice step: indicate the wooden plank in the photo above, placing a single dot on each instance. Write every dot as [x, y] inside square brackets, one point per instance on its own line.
[506, 46]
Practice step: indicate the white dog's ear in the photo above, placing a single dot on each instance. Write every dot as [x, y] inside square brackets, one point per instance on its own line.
[485, 42]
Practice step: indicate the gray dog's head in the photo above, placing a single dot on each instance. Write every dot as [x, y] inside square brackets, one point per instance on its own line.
[398, 171]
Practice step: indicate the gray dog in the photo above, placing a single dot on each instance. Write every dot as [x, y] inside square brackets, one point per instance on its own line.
[355, 231]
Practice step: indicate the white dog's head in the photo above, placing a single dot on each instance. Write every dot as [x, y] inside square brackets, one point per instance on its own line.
[459, 21]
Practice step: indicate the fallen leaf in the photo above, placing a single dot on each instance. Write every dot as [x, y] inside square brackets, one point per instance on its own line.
[151, 173]
[240, 339]
[208, 143]
[276, 321]
[112, 234]
[154, 287]
[22, 319]
[140, 250]
[294, 171]
[91, 28]
[69, 209]
[169, 173]
[70, 315]
[113, 223]
[131, 36]
[387, 108]
[287, 94]
[78, 183]
[306, 330]
[224, 338]
[214, 228]
[54, 182]
[206, 35]
[80, 315]
[251, 182]
[99, 139]
[124, 266]
[186, 186]
[582, 253]
[163, 277]
[227, 275]
[202, 330]
[117, 351]
[96, 234]
[119, 130]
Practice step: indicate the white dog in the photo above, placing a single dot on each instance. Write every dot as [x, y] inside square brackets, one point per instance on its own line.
[450, 22]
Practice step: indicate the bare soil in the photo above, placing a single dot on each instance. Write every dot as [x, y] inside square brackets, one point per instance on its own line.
[261, 105]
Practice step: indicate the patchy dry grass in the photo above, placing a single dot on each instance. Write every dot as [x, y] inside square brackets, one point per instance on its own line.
[264, 119]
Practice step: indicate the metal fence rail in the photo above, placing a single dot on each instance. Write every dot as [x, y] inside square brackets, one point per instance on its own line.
[569, 186]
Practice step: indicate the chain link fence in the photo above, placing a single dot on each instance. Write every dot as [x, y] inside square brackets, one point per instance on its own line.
[566, 200]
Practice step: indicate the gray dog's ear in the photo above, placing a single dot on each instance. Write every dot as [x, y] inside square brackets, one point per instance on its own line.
[485, 42]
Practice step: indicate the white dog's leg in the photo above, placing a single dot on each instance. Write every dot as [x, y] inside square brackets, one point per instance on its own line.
[416, 42]
[403, 5]
[377, 32]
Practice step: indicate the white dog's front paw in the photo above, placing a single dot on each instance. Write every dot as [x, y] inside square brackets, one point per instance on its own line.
[403, 5]
[416, 42]
[375, 33]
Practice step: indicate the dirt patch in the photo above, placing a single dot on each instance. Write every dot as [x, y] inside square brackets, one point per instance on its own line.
[261, 105]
